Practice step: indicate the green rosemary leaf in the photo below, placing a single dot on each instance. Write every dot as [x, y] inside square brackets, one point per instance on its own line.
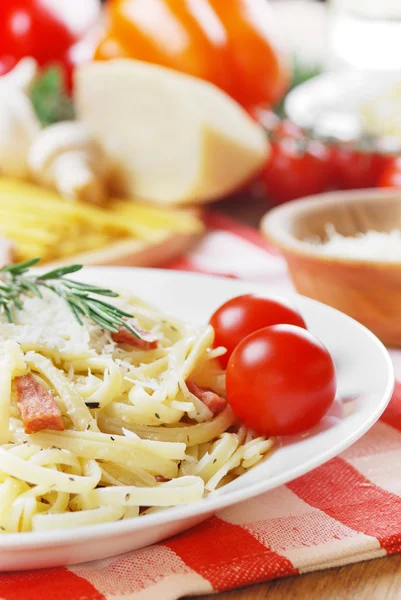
[90, 288]
[82, 307]
[30, 286]
[60, 272]
[8, 313]
[79, 294]
[104, 322]
[111, 307]
[4, 291]
[18, 303]
[107, 315]
[21, 267]
[131, 329]
[75, 312]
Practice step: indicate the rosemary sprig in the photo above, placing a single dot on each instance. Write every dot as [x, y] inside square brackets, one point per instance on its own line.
[15, 283]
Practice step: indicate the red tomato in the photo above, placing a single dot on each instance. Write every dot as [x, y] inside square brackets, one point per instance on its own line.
[30, 28]
[391, 175]
[43, 30]
[289, 129]
[353, 169]
[280, 380]
[296, 168]
[243, 315]
[266, 118]
[276, 127]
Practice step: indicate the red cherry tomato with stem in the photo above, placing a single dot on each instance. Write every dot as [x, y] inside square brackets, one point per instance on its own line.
[391, 175]
[240, 316]
[296, 168]
[287, 129]
[53, 33]
[280, 380]
[31, 28]
[356, 169]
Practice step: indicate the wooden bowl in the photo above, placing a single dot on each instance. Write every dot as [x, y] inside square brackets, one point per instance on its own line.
[367, 290]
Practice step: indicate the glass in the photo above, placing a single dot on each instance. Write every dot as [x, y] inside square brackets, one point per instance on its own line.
[365, 34]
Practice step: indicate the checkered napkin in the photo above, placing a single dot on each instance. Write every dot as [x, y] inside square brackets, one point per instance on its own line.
[346, 511]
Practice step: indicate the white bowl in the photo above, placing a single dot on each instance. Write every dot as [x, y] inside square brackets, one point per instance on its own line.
[329, 104]
[365, 385]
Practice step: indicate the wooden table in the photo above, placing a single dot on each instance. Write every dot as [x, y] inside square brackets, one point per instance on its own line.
[376, 579]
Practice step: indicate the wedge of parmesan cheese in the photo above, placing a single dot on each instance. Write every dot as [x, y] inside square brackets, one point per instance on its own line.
[172, 138]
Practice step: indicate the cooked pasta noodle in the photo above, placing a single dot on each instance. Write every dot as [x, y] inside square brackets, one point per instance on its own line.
[131, 437]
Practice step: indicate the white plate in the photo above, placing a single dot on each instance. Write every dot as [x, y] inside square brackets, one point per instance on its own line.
[365, 384]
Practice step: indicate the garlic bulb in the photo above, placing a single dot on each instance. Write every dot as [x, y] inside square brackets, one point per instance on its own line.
[19, 124]
[65, 157]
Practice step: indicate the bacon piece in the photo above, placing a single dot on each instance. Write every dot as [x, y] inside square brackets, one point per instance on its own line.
[147, 341]
[37, 406]
[213, 401]
[161, 478]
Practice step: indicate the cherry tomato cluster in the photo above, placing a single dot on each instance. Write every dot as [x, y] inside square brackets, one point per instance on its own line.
[280, 379]
[300, 166]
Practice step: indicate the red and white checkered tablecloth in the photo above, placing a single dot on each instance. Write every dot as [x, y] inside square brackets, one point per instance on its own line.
[345, 511]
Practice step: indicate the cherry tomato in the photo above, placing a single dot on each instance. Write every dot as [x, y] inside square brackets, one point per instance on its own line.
[296, 168]
[286, 128]
[243, 315]
[391, 175]
[353, 169]
[277, 128]
[280, 380]
[266, 118]
[43, 30]
[31, 28]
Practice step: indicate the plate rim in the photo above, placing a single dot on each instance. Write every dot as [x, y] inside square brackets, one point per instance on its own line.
[214, 503]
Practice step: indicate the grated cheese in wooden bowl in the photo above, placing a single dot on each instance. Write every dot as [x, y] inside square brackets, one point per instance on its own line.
[372, 245]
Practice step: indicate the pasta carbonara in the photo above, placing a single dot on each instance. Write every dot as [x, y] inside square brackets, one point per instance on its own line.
[97, 427]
